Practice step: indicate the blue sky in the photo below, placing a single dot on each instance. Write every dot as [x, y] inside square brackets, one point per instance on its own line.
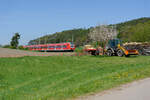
[35, 18]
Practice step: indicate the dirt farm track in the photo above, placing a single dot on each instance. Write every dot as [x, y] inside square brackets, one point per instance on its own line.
[4, 52]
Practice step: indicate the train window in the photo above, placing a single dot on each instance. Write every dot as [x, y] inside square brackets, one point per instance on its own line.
[45, 47]
[64, 46]
[39, 47]
[33, 47]
[72, 45]
[51, 46]
[59, 46]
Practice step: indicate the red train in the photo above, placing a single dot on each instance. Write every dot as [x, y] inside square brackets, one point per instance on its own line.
[68, 46]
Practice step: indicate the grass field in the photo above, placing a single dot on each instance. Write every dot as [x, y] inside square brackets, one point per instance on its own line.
[66, 77]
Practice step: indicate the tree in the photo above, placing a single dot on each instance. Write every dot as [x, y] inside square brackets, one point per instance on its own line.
[15, 40]
[102, 34]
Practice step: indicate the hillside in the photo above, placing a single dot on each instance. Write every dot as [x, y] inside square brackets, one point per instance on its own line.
[79, 36]
[137, 30]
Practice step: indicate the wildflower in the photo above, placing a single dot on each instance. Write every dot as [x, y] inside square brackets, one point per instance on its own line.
[11, 89]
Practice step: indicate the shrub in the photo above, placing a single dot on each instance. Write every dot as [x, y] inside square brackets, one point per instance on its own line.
[12, 47]
[79, 50]
[6, 46]
[22, 48]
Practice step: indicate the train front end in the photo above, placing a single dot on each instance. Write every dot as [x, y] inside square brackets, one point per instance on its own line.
[72, 46]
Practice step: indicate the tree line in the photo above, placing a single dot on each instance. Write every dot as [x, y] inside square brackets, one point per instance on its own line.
[136, 30]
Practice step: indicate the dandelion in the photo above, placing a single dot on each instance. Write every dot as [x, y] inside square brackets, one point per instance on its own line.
[11, 89]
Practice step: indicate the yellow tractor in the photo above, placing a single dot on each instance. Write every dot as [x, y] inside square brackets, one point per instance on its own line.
[115, 47]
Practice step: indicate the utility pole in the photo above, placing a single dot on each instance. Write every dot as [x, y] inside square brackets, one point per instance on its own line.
[72, 38]
[39, 40]
[45, 39]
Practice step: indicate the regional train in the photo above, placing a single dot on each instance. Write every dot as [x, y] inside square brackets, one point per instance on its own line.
[68, 46]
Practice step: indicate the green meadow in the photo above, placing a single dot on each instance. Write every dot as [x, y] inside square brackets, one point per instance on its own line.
[67, 77]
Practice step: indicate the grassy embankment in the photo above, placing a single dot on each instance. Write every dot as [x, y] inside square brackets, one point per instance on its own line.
[61, 77]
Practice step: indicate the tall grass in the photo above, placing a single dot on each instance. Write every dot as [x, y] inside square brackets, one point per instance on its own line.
[61, 77]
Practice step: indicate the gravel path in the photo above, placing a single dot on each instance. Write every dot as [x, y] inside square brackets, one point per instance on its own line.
[139, 90]
[4, 52]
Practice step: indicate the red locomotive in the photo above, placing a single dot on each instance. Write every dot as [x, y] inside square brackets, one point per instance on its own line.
[68, 46]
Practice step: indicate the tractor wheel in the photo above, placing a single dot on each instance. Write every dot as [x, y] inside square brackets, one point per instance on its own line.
[127, 55]
[120, 53]
[109, 53]
[93, 52]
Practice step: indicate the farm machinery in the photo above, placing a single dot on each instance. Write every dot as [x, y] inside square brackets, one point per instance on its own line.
[114, 47]
[90, 49]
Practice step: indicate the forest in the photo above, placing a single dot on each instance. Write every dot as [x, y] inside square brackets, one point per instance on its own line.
[137, 30]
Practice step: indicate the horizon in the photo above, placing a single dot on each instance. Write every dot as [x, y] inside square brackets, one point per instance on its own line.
[33, 19]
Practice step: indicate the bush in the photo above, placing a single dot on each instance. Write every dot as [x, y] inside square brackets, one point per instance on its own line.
[6, 46]
[79, 50]
[12, 47]
[22, 48]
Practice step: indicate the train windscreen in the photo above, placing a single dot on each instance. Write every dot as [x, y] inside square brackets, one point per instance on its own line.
[72, 45]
